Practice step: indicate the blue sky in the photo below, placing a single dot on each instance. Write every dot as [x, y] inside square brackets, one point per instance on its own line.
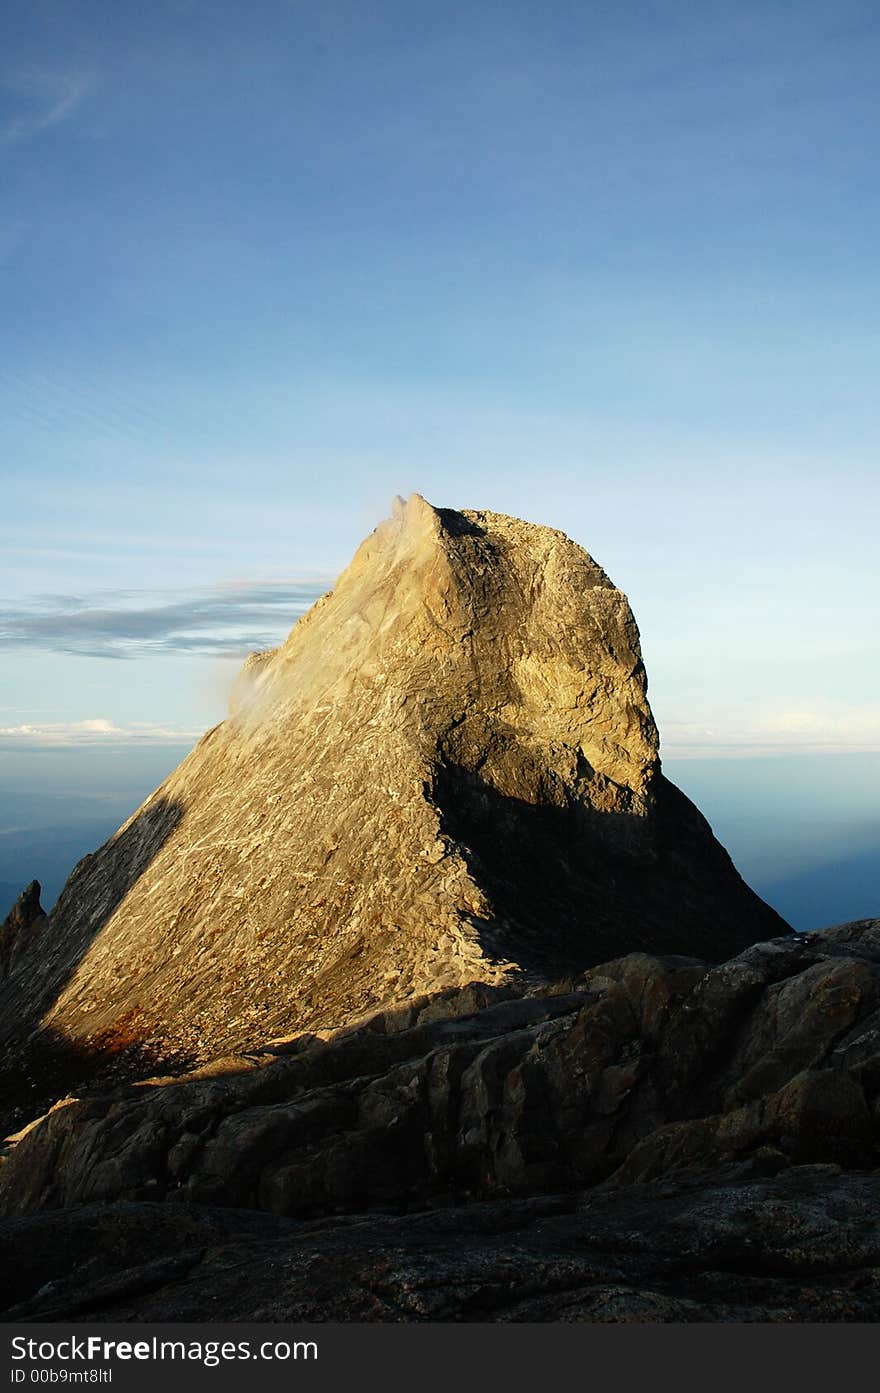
[609, 267]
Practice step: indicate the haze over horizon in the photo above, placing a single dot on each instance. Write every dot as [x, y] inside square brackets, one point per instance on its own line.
[611, 271]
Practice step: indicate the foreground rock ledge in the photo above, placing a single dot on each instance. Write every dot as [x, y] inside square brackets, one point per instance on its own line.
[654, 1139]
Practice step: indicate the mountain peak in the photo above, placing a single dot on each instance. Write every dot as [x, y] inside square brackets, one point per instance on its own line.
[447, 773]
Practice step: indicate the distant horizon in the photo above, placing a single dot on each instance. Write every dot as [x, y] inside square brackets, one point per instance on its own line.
[801, 829]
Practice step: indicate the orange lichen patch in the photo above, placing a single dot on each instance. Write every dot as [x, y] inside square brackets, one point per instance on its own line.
[128, 1029]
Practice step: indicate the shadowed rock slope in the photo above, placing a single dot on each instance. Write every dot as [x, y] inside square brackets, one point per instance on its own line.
[448, 773]
[654, 1139]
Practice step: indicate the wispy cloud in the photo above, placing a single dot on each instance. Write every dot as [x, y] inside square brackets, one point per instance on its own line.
[36, 100]
[790, 730]
[66, 734]
[224, 620]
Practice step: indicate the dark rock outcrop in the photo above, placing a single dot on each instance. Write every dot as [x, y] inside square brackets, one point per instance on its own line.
[803, 1245]
[653, 1139]
[20, 929]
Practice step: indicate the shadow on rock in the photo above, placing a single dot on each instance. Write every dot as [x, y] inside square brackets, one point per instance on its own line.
[39, 954]
[602, 1079]
[583, 881]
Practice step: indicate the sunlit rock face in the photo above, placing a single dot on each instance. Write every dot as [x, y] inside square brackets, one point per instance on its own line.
[448, 773]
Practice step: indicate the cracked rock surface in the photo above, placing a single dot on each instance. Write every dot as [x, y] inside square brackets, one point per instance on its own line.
[654, 1139]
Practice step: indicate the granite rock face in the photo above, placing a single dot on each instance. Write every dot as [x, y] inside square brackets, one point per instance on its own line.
[447, 774]
[638, 1068]
[654, 1139]
[418, 993]
[803, 1245]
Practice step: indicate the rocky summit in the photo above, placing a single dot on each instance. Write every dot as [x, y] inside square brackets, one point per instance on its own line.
[418, 993]
[447, 774]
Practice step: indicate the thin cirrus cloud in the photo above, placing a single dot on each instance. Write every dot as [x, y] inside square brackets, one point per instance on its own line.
[822, 730]
[37, 100]
[50, 735]
[219, 621]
